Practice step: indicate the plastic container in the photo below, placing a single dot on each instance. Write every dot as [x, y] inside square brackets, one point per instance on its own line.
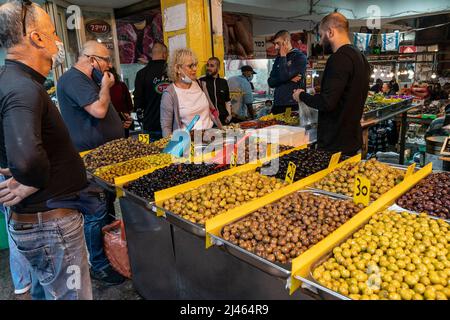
[285, 135]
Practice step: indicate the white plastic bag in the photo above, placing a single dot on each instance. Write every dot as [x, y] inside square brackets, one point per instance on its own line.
[307, 115]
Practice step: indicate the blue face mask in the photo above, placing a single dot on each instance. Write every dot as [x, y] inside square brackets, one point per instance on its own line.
[250, 78]
[97, 76]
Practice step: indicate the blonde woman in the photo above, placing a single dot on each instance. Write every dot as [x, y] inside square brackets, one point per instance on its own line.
[185, 98]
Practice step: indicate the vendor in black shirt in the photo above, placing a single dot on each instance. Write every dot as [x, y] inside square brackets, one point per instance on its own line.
[344, 89]
[149, 85]
[218, 90]
[44, 173]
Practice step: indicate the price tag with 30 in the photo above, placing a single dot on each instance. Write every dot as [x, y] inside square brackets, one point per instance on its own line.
[361, 193]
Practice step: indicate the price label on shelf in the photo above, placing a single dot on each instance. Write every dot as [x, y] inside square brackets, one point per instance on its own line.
[290, 174]
[334, 160]
[144, 138]
[410, 170]
[233, 162]
[192, 152]
[288, 112]
[361, 192]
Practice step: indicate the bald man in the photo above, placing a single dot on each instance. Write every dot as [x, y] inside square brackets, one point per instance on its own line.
[85, 103]
[150, 83]
[42, 170]
[344, 88]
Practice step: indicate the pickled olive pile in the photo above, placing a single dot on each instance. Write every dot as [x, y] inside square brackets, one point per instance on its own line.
[116, 151]
[132, 166]
[382, 178]
[281, 231]
[162, 143]
[431, 195]
[394, 257]
[219, 196]
[170, 176]
[308, 162]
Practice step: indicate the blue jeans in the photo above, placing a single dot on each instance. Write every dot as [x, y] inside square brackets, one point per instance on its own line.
[18, 265]
[94, 206]
[56, 252]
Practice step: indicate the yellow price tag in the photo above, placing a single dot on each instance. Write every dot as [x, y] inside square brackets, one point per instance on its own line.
[334, 160]
[288, 112]
[361, 192]
[192, 151]
[233, 162]
[144, 138]
[410, 170]
[290, 174]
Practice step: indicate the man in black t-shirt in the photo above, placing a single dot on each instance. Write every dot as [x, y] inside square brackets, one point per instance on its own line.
[344, 88]
[44, 173]
[149, 85]
[218, 90]
[84, 99]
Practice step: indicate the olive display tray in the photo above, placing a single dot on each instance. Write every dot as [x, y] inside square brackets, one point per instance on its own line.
[324, 292]
[273, 268]
[137, 199]
[182, 223]
[103, 183]
[333, 194]
[396, 207]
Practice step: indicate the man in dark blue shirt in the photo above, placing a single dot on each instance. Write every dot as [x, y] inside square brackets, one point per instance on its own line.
[288, 73]
[85, 104]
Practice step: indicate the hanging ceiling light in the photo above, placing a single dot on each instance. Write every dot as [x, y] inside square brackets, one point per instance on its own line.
[373, 75]
[382, 74]
[433, 76]
[391, 75]
[399, 73]
[375, 70]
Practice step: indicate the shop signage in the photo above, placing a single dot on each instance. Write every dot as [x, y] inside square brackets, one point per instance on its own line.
[259, 47]
[98, 27]
[408, 49]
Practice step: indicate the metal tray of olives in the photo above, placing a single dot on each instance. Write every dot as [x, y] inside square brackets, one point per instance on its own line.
[182, 223]
[396, 207]
[273, 268]
[343, 196]
[139, 200]
[103, 183]
[324, 292]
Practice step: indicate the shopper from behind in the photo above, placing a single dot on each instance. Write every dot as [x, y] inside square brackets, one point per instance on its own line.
[288, 73]
[121, 100]
[217, 89]
[378, 86]
[149, 86]
[38, 159]
[344, 89]
[438, 94]
[184, 98]
[85, 103]
[241, 94]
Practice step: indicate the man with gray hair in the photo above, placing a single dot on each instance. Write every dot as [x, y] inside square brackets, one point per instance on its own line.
[43, 171]
[85, 103]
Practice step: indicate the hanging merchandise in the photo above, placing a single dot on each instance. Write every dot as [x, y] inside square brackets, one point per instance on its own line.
[390, 41]
[362, 40]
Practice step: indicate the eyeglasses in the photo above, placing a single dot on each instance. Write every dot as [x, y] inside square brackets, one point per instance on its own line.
[192, 65]
[25, 4]
[106, 59]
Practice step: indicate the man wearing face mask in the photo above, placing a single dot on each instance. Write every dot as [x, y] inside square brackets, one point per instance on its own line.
[85, 103]
[241, 92]
[344, 89]
[218, 90]
[38, 160]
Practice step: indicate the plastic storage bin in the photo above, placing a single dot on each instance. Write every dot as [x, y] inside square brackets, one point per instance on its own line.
[286, 135]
